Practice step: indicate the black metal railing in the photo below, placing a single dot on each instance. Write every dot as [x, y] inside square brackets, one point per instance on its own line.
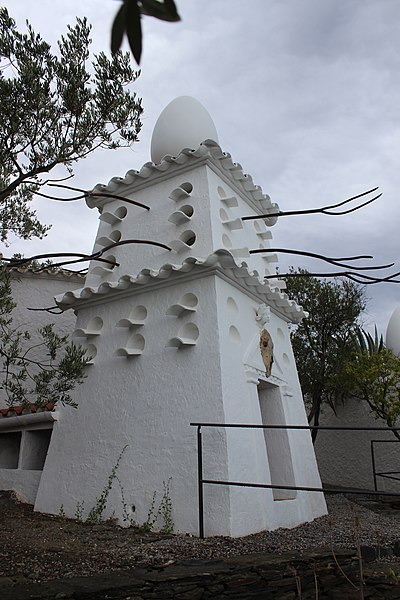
[341, 490]
[383, 474]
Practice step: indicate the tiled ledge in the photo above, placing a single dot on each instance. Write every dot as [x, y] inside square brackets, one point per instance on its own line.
[19, 422]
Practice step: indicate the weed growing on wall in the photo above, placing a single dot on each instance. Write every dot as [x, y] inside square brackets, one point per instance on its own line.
[163, 511]
[157, 513]
[80, 507]
[96, 512]
[126, 510]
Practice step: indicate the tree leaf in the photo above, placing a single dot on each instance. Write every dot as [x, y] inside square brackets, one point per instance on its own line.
[118, 29]
[134, 29]
[165, 11]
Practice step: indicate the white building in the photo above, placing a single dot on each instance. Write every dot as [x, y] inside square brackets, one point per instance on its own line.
[24, 439]
[175, 338]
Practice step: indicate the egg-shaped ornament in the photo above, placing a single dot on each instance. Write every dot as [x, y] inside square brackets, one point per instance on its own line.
[393, 332]
[184, 123]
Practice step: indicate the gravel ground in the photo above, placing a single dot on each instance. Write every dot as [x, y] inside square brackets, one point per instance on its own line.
[40, 547]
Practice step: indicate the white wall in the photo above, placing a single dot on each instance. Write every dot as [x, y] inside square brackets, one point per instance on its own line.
[344, 458]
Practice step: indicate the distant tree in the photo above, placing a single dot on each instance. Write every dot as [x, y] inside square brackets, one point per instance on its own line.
[373, 376]
[39, 372]
[55, 111]
[322, 342]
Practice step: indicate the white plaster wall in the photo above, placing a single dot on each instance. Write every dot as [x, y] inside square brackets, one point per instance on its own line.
[344, 458]
[242, 368]
[209, 211]
[154, 224]
[251, 235]
[24, 483]
[37, 290]
[147, 403]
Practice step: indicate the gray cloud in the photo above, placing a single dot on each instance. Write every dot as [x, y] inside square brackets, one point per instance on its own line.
[304, 94]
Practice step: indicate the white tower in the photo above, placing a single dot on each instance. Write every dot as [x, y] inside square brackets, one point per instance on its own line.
[175, 337]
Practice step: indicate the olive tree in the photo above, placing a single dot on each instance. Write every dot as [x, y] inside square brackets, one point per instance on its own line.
[373, 376]
[55, 109]
[38, 373]
[322, 342]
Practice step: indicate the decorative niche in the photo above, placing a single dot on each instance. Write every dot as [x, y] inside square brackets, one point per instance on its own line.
[134, 346]
[136, 318]
[229, 201]
[187, 304]
[184, 242]
[270, 258]
[112, 218]
[183, 215]
[182, 192]
[113, 238]
[91, 351]
[187, 336]
[233, 224]
[93, 328]
[105, 268]
[260, 230]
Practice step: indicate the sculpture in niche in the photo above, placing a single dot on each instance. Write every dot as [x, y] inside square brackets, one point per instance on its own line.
[263, 315]
[266, 349]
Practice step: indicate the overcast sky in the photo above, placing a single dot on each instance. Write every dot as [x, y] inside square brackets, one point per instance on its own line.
[305, 95]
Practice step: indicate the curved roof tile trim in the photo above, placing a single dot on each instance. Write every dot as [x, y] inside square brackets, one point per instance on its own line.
[207, 150]
[221, 260]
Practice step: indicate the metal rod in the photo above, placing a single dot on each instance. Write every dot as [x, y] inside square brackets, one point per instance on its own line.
[373, 466]
[200, 482]
[307, 427]
[299, 488]
[386, 476]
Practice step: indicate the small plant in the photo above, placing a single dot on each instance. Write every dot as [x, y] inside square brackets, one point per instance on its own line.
[96, 512]
[164, 511]
[126, 516]
[79, 510]
[61, 512]
[152, 515]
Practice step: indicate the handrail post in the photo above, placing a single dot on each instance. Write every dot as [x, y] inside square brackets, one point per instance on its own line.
[373, 465]
[200, 481]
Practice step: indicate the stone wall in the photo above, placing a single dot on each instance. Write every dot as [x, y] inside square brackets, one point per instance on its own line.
[259, 576]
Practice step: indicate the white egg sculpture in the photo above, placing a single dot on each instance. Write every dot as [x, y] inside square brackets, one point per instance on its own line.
[184, 123]
[393, 332]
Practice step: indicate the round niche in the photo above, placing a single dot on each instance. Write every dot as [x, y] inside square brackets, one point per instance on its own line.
[113, 217]
[226, 241]
[281, 335]
[93, 327]
[231, 304]
[234, 334]
[187, 336]
[223, 215]
[91, 352]
[188, 237]
[221, 192]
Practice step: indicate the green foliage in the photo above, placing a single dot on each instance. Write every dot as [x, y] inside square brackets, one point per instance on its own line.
[79, 510]
[55, 110]
[40, 373]
[163, 511]
[96, 512]
[374, 377]
[322, 341]
[364, 343]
